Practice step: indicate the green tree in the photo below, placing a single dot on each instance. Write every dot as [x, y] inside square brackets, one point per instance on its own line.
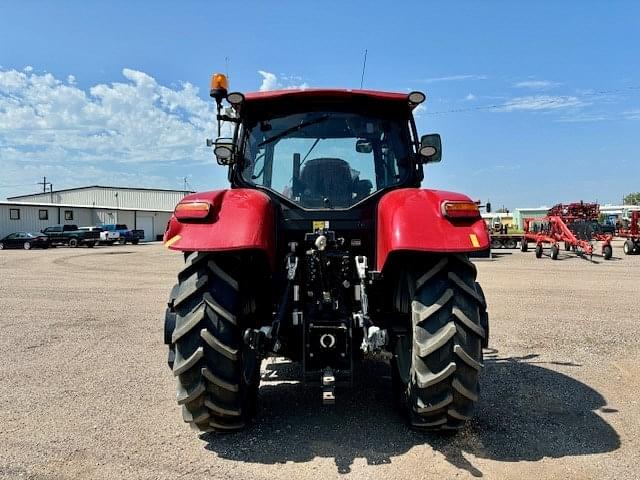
[632, 199]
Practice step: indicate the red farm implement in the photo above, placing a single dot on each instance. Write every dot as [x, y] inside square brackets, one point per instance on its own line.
[575, 225]
[632, 235]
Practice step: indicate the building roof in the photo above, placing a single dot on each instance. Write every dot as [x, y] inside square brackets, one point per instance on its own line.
[71, 205]
[102, 186]
[534, 209]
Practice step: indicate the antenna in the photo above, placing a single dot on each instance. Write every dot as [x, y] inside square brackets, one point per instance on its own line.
[226, 63]
[364, 66]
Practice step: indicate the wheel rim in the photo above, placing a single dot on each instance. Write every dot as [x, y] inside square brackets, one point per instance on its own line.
[1, 246]
[27, 246]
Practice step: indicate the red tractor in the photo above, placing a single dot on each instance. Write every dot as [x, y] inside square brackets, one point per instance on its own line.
[326, 251]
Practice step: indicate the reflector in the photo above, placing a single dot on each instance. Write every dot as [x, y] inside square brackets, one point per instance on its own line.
[460, 209]
[192, 210]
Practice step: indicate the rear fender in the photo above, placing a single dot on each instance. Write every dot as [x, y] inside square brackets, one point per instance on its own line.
[239, 219]
[411, 219]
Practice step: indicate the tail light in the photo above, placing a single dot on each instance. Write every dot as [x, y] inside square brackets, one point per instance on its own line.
[460, 209]
[192, 210]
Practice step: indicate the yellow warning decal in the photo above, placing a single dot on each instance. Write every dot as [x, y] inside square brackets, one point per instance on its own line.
[320, 225]
[172, 240]
[474, 240]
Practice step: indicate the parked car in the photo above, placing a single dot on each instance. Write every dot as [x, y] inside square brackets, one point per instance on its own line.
[26, 240]
[106, 237]
[126, 235]
[71, 235]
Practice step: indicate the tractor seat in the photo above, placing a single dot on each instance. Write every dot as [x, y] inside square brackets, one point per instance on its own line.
[326, 178]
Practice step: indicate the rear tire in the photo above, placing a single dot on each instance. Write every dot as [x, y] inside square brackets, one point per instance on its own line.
[218, 376]
[436, 365]
[539, 251]
[628, 247]
[524, 245]
[135, 242]
[73, 243]
[555, 250]
[607, 252]
[496, 243]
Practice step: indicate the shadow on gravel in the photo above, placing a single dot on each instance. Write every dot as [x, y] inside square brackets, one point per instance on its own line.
[526, 412]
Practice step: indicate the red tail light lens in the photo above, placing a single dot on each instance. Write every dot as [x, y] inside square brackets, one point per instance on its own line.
[460, 209]
[192, 210]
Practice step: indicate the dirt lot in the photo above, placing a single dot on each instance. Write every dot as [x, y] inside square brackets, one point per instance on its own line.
[86, 392]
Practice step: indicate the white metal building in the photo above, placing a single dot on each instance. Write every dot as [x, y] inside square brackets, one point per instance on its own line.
[113, 197]
[138, 208]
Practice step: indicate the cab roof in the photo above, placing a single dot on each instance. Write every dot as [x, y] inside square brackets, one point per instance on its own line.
[256, 99]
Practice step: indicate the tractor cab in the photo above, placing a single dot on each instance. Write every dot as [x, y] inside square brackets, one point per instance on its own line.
[324, 149]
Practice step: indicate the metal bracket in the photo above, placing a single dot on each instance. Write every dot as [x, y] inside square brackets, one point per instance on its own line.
[292, 266]
[328, 382]
[374, 339]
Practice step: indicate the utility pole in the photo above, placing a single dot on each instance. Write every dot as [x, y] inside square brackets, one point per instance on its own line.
[44, 184]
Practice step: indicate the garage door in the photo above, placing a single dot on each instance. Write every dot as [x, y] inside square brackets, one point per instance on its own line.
[146, 223]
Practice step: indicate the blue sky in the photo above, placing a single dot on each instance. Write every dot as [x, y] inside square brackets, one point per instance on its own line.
[536, 104]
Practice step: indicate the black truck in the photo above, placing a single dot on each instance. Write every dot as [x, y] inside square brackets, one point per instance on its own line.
[70, 235]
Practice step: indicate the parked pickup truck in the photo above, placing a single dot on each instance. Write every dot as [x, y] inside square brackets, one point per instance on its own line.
[106, 237]
[126, 235]
[71, 235]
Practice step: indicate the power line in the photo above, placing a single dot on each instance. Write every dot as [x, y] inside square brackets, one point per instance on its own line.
[21, 185]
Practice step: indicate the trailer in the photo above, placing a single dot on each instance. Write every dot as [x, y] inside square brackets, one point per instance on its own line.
[575, 225]
[632, 234]
[505, 240]
[500, 236]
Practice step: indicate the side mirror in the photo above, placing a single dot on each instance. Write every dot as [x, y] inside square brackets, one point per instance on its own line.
[223, 150]
[364, 146]
[430, 148]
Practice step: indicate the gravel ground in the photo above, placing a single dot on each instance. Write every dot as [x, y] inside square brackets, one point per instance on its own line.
[86, 392]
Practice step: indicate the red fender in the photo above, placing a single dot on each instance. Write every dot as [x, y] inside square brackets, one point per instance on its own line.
[238, 219]
[412, 219]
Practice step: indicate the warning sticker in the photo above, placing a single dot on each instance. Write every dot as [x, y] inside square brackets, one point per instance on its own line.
[320, 225]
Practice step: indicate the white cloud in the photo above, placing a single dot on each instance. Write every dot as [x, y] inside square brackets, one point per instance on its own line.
[632, 114]
[537, 84]
[454, 78]
[270, 81]
[541, 102]
[48, 124]
[470, 97]
[580, 117]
